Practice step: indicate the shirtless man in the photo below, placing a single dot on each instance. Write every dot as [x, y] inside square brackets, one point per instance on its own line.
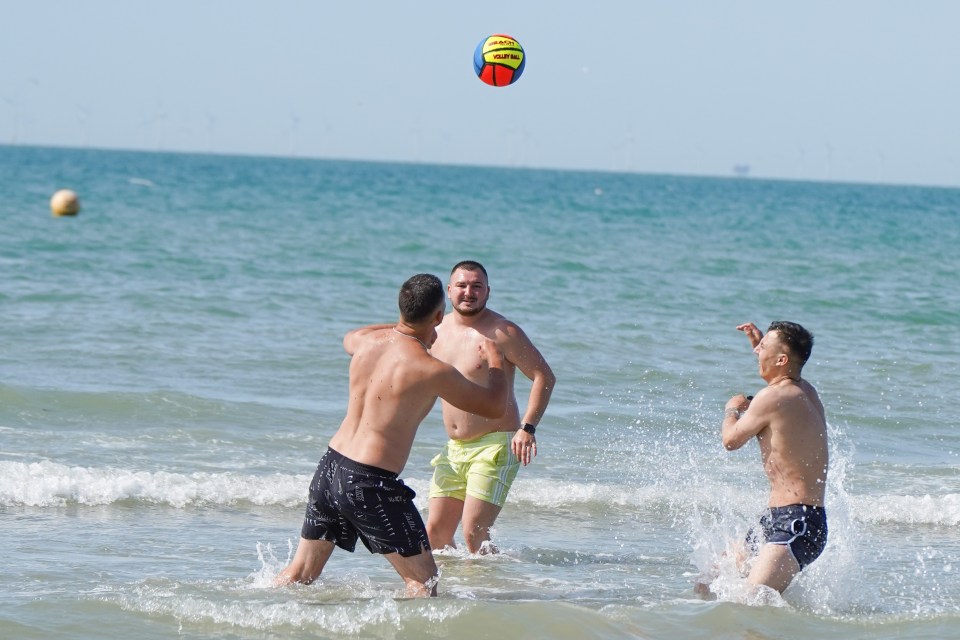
[474, 471]
[788, 421]
[394, 382]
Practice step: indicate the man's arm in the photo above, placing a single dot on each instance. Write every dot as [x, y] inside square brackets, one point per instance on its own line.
[528, 359]
[535, 367]
[353, 338]
[754, 335]
[739, 424]
[521, 352]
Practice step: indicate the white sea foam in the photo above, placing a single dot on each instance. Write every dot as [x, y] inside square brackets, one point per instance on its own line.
[45, 484]
[346, 604]
[198, 612]
[926, 509]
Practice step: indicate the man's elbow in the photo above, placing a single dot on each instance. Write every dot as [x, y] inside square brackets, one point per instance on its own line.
[544, 380]
[731, 444]
[549, 380]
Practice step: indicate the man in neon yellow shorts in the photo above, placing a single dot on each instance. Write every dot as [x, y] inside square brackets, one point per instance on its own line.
[473, 473]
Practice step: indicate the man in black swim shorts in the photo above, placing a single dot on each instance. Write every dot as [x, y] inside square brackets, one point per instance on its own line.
[787, 419]
[394, 382]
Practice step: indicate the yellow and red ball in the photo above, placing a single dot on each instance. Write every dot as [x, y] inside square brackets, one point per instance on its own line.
[499, 60]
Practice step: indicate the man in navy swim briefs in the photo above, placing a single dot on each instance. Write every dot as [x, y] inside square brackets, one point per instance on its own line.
[356, 492]
[788, 421]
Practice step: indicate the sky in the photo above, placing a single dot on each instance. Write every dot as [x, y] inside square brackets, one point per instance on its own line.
[842, 90]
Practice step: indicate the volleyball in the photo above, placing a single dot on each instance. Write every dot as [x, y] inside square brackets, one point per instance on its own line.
[499, 60]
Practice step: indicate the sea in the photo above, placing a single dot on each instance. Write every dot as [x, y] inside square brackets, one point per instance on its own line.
[172, 369]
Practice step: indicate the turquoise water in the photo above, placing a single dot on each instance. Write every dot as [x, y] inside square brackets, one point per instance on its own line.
[172, 370]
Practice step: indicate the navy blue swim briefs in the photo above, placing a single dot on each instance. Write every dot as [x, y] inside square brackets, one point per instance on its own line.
[801, 527]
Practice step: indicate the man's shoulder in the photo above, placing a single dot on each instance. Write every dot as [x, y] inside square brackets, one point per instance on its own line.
[809, 389]
[364, 339]
[408, 364]
[768, 399]
[499, 322]
[783, 402]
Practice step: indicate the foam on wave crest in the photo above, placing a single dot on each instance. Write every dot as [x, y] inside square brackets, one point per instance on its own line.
[46, 484]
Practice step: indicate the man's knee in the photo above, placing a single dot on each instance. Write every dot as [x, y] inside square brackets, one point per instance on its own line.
[440, 534]
[479, 516]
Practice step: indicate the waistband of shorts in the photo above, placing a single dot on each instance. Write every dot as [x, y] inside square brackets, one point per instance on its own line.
[487, 439]
[344, 461]
[791, 508]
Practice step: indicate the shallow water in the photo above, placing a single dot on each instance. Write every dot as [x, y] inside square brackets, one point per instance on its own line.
[172, 371]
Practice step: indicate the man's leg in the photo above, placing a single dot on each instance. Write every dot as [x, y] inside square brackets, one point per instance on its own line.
[478, 517]
[308, 562]
[419, 572]
[774, 567]
[443, 518]
[488, 483]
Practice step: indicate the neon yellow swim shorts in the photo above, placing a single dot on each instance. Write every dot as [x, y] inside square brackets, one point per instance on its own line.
[483, 468]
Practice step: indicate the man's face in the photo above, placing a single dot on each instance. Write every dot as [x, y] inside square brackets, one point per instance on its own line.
[468, 292]
[771, 354]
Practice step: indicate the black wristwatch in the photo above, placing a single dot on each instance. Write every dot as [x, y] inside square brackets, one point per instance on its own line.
[529, 428]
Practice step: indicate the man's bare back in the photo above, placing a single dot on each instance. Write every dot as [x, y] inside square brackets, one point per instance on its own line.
[394, 382]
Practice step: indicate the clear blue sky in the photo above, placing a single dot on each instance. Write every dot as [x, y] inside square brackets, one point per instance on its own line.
[858, 90]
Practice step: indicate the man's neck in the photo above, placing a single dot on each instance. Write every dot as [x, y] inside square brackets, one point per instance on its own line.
[783, 376]
[471, 319]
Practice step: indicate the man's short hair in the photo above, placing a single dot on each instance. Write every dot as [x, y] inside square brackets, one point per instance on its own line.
[470, 265]
[797, 339]
[420, 296]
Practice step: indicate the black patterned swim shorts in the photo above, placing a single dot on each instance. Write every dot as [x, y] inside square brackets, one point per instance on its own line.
[349, 500]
